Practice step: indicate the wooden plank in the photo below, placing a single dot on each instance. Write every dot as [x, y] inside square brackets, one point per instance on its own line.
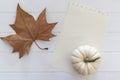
[58, 76]
[34, 6]
[35, 76]
[111, 43]
[8, 18]
[111, 6]
[57, 5]
[40, 62]
[110, 62]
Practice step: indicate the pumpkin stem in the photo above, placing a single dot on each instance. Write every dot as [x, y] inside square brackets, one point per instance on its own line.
[92, 60]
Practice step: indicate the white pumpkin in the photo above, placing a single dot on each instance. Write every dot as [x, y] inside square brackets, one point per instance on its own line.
[86, 59]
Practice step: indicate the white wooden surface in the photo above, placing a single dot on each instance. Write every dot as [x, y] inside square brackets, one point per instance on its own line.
[36, 66]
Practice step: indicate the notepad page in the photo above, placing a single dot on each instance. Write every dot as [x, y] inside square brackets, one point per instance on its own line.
[83, 25]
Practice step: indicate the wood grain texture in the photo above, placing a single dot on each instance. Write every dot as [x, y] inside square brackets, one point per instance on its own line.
[36, 66]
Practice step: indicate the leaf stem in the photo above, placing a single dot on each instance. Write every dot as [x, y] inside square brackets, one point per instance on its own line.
[92, 60]
[40, 47]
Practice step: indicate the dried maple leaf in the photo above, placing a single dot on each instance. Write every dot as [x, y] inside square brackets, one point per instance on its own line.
[28, 30]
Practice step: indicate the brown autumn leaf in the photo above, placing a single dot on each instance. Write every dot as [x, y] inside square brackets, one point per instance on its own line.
[28, 30]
